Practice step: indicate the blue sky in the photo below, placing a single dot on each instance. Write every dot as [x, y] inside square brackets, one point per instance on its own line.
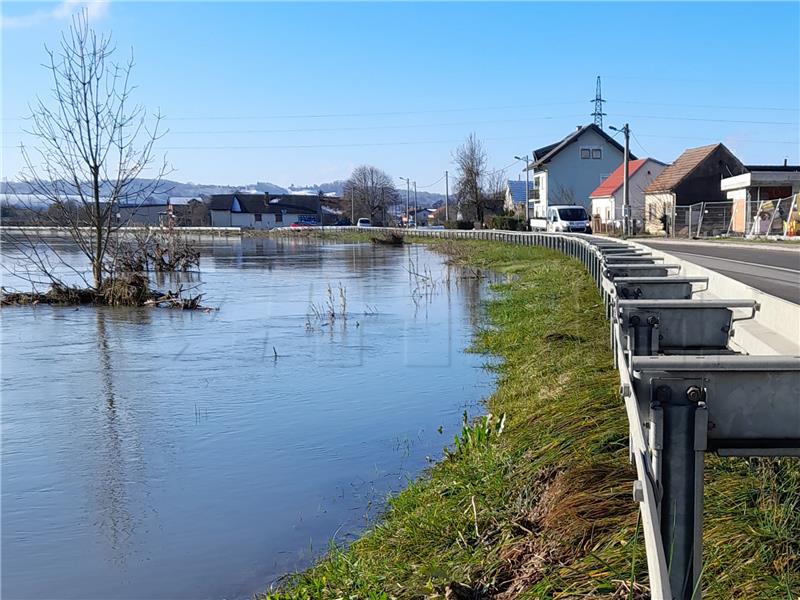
[302, 92]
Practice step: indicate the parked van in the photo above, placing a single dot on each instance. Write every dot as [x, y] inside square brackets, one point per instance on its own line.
[564, 218]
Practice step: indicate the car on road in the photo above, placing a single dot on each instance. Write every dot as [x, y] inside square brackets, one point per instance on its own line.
[564, 218]
[364, 223]
[298, 225]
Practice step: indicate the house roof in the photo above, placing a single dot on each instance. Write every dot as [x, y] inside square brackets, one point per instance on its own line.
[683, 166]
[546, 153]
[613, 182]
[770, 168]
[249, 203]
[517, 189]
[290, 207]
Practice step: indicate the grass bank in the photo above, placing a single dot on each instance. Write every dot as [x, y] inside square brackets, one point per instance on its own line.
[540, 506]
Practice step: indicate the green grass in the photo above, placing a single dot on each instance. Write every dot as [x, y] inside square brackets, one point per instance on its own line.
[539, 506]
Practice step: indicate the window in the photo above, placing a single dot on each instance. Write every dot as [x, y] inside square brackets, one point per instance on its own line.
[573, 214]
[258, 217]
[591, 152]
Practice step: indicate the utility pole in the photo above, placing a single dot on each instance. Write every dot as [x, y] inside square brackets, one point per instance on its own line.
[626, 198]
[415, 205]
[408, 196]
[352, 207]
[446, 196]
[527, 190]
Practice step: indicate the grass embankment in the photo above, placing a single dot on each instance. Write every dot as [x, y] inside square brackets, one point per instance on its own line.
[543, 509]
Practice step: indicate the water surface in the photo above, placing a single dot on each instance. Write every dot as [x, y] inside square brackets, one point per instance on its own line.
[164, 454]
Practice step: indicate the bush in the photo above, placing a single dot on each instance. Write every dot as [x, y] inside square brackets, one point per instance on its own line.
[459, 225]
[502, 222]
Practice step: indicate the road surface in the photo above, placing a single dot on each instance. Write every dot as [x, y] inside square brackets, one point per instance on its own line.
[775, 271]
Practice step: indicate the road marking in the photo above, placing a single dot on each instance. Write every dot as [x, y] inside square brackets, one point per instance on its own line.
[741, 262]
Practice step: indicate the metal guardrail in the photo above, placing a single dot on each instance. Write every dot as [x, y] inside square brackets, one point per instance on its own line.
[686, 392]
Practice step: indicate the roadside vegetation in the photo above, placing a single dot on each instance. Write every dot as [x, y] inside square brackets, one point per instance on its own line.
[534, 501]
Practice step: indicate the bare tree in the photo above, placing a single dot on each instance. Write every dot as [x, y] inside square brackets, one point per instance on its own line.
[470, 159]
[495, 191]
[94, 147]
[370, 191]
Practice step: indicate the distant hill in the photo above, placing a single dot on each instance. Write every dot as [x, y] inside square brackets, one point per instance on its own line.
[424, 199]
[190, 190]
[169, 188]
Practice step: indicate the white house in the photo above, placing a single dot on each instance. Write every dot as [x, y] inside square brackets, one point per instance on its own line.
[607, 198]
[567, 171]
[250, 211]
[262, 211]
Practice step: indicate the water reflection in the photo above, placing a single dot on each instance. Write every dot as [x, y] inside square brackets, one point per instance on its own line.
[202, 455]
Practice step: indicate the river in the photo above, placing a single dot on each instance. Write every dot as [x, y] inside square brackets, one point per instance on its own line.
[154, 453]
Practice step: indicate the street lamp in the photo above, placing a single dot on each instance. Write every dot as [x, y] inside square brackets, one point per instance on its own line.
[527, 190]
[416, 210]
[626, 199]
[408, 195]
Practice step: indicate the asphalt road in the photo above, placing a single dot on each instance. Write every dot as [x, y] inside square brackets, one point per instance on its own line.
[775, 271]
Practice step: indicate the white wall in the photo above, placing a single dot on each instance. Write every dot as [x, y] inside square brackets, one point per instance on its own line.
[604, 207]
[655, 205]
[638, 183]
[242, 219]
[220, 218]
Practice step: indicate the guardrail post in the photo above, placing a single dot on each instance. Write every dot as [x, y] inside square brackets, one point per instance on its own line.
[682, 481]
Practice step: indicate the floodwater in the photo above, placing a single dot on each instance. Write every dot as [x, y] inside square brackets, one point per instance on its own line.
[152, 453]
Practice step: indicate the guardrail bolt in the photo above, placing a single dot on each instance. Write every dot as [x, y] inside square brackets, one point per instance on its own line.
[694, 394]
[635, 320]
[652, 321]
[638, 491]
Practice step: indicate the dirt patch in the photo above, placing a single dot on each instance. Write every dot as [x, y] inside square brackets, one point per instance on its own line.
[576, 505]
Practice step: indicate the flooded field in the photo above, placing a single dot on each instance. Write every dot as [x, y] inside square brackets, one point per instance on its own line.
[153, 453]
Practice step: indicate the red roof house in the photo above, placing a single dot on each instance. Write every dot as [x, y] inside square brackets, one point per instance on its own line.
[607, 198]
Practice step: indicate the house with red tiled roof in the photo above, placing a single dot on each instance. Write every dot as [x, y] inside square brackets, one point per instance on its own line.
[607, 198]
[693, 178]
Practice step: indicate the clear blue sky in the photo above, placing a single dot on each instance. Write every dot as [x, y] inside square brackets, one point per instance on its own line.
[302, 93]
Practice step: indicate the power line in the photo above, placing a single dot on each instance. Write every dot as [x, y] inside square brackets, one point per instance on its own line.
[361, 128]
[422, 187]
[708, 106]
[707, 139]
[673, 118]
[504, 168]
[420, 142]
[639, 143]
[438, 110]
[454, 124]
[353, 114]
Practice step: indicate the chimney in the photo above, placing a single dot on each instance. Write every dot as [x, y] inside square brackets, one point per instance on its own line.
[786, 161]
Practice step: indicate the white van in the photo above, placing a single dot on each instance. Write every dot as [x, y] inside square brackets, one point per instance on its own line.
[564, 218]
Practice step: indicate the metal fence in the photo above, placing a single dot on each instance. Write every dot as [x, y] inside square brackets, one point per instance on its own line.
[685, 391]
[777, 217]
